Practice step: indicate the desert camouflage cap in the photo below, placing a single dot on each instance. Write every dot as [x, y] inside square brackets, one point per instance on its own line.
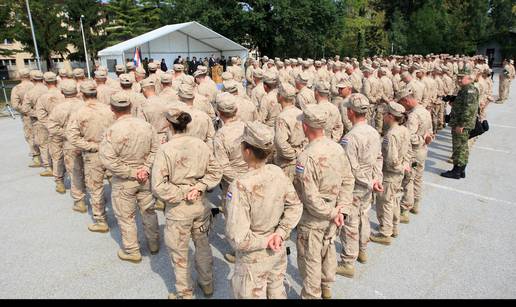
[303, 77]
[259, 135]
[395, 109]
[344, 82]
[100, 74]
[130, 65]
[258, 73]
[166, 78]
[178, 67]
[226, 103]
[187, 79]
[270, 77]
[148, 82]
[89, 87]
[63, 72]
[24, 73]
[358, 103]
[173, 113]
[50, 77]
[120, 99]
[230, 86]
[78, 73]
[125, 79]
[68, 87]
[36, 75]
[404, 92]
[315, 116]
[322, 87]
[153, 66]
[120, 68]
[140, 71]
[286, 90]
[227, 76]
[186, 91]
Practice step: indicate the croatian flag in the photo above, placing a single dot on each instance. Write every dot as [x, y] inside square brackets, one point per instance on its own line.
[137, 59]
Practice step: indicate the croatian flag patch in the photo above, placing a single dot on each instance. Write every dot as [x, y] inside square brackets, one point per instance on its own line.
[229, 195]
[344, 141]
[386, 141]
[300, 168]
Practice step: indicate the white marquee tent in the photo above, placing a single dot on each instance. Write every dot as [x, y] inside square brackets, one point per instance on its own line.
[185, 39]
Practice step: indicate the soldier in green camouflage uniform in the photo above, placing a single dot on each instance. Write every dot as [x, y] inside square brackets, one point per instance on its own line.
[463, 118]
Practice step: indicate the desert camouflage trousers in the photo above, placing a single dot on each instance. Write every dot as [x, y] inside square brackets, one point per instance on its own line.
[41, 143]
[94, 173]
[388, 204]
[74, 166]
[55, 147]
[28, 133]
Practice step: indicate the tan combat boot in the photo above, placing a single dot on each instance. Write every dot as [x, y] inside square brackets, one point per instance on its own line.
[80, 206]
[36, 162]
[160, 205]
[395, 233]
[60, 187]
[173, 296]
[230, 257]
[345, 269]
[379, 238]
[134, 257]
[326, 293]
[99, 226]
[207, 290]
[362, 257]
[404, 217]
[46, 173]
[153, 247]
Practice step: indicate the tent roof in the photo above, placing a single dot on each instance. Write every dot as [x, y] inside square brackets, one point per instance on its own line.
[192, 29]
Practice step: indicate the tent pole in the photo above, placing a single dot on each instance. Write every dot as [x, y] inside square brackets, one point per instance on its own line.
[188, 44]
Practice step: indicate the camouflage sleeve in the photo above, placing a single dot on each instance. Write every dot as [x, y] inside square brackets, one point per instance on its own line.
[153, 149]
[41, 112]
[15, 98]
[212, 176]
[111, 160]
[347, 125]
[160, 180]
[413, 126]
[221, 155]
[54, 124]
[281, 136]
[378, 166]
[73, 135]
[307, 188]
[392, 158]
[345, 197]
[263, 111]
[338, 129]
[238, 226]
[210, 134]
[292, 212]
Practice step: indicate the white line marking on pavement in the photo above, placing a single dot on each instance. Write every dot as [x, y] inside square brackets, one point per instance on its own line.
[469, 193]
[502, 126]
[492, 149]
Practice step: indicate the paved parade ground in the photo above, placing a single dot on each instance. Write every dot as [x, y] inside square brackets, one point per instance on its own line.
[461, 245]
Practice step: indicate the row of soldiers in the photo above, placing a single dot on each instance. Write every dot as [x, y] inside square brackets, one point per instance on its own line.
[287, 153]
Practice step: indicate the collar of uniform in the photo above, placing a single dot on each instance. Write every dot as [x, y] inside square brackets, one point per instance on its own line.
[125, 116]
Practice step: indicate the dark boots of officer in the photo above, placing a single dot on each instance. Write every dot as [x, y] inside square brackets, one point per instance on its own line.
[457, 172]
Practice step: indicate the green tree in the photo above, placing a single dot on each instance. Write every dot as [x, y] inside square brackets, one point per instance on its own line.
[126, 19]
[94, 23]
[6, 24]
[49, 26]
[398, 33]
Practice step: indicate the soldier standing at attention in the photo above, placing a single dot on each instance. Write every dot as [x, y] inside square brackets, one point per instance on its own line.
[59, 121]
[269, 106]
[262, 210]
[419, 123]
[289, 138]
[345, 88]
[324, 183]
[396, 151]
[184, 169]
[463, 117]
[333, 128]
[363, 149]
[17, 94]
[85, 131]
[128, 151]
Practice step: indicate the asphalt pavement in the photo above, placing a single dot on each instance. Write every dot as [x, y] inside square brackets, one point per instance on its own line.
[461, 245]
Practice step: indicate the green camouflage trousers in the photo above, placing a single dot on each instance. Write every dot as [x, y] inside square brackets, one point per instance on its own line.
[460, 147]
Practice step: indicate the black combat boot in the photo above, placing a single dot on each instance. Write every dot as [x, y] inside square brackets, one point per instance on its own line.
[463, 172]
[455, 173]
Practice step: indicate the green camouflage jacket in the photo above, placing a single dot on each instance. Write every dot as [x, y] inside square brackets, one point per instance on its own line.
[465, 107]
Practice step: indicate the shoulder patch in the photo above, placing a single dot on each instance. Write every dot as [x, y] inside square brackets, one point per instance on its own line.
[385, 141]
[300, 168]
[229, 195]
[344, 141]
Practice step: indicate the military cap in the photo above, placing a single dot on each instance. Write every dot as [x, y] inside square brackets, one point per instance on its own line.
[234, 60]
[49, 77]
[358, 103]
[294, 62]
[276, 59]
[186, 91]
[258, 73]
[466, 71]
[125, 79]
[405, 74]
[173, 113]
[322, 87]
[230, 86]
[78, 73]
[102, 68]
[310, 61]
[69, 74]
[120, 99]
[280, 64]
[345, 82]
[130, 65]
[89, 87]
[302, 77]
[318, 63]
[198, 73]
[288, 62]
[287, 91]
[305, 64]
[166, 78]
[227, 75]
[367, 69]
[100, 74]
[271, 61]
[314, 116]
[153, 66]
[226, 103]
[24, 73]
[68, 87]
[188, 80]
[147, 82]
[265, 58]
[140, 71]
[348, 66]
[323, 61]
[395, 109]
[404, 92]
[36, 75]
[120, 68]
[270, 77]
[178, 67]
[258, 135]
[63, 72]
